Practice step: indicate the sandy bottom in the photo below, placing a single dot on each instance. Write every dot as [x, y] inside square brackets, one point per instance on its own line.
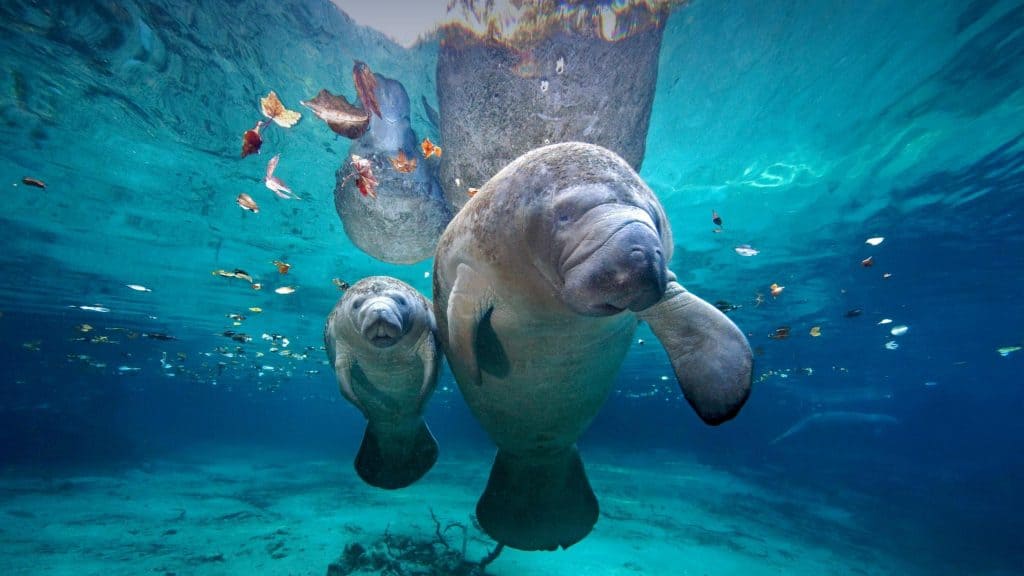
[261, 512]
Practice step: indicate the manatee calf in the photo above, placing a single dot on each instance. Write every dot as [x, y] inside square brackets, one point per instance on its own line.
[381, 340]
[538, 286]
[402, 223]
[578, 74]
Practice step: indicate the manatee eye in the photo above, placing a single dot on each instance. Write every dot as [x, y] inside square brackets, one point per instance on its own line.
[357, 303]
[399, 299]
[563, 218]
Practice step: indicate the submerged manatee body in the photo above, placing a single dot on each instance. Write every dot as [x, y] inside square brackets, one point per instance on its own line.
[381, 341]
[402, 224]
[498, 101]
[539, 283]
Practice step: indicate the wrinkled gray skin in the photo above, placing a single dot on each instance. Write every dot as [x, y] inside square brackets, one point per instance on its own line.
[381, 341]
[539, 283]
[403, 223]
[490, 114]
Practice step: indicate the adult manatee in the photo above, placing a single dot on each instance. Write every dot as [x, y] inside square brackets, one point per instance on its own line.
[539, 283]
[381, 340]
[402, 223]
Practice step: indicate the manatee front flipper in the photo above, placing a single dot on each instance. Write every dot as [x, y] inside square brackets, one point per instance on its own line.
[469, 301]
[709, 354]
[343, 363]
[396, 460]
[534, 503]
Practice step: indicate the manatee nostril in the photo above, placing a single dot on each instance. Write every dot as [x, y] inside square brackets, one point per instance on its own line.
[638, 255]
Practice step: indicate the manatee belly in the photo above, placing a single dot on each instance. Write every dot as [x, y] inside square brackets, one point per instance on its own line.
[543, 383]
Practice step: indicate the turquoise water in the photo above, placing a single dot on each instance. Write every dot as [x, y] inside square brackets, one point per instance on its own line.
[809, 127]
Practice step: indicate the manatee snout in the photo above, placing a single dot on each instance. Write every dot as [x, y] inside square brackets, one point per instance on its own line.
[627, 272]
[380, 322]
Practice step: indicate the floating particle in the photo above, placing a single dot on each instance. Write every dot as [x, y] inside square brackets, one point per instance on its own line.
[780, 333]
[341, 284]
[245, 202]
[32, 345]
[875, 241]
[715, 218]
[403, 164]
[126, 369]
[255, 309]
[236, 273]
[891, 345]
[560, 66]
[868, 262]
[886, 276]
[899, 330]
[284, 290]
[664, 378]
[83, 328]
[776, 290]
[472, 192]
[236, 317]
[257, 286]
[94, 308]
[543, 85]
[430, 149]
[853, 313]
[746, 250]
[426, 274]
[138, 287]
[724, 306]
[272, 108]
[815, 331]
[33, 182]
[884, 321]
[931, 383]
[251, 140]
[1007, 350]
[639, 341]
[282, 267]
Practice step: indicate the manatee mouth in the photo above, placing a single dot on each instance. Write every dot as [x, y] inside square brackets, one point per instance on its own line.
[381, 325]
[627, 271]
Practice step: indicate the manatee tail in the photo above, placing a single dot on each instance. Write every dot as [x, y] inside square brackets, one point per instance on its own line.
[392, 462]
[534, 503]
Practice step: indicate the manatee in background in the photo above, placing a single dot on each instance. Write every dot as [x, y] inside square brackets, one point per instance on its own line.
[381, 340]
[539, 283]
[402, 224]
[499, 100]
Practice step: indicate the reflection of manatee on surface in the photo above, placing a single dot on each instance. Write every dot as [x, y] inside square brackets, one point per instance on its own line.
[402, 224]
[539, 283]
[499, 101]
[381, 340]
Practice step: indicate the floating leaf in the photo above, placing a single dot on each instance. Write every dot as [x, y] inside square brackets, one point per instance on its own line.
[875, 241]
[285, 290]
[138, 287]
[430, 149]
[403, 164]
[245, 202]
[273, 108]
[282, 267]
[251, 140]
[816, 331]
[275, 184]
[33, 182]
[366, 87]
[341, 116]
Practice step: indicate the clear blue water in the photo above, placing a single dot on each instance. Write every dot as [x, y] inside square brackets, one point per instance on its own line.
[808, 126]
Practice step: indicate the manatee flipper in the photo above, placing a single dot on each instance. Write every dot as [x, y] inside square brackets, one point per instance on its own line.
[343, 363]
[395, 462]
[710, 355]
[534, 503]
[468, 302]
[427, 353]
